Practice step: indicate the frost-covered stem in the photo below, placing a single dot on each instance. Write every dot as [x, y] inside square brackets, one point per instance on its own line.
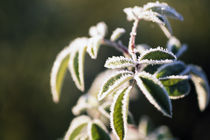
[119, 46]
[131, 47]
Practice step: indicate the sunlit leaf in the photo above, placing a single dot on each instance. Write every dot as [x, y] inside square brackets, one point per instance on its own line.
[138, 13]
[175, 68]
[201, 83]
[97, 131]
[154, 92]
[58, 72]
[119, 62]
[77, 126]
[176, 86]
[117, 34]
[119, 113]
[98, 30]
[163, 9]
[93, 46]
[113, 82]
[76, 63]
[157, 56]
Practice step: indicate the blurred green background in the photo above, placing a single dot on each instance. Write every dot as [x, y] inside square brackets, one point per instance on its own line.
[32, 32]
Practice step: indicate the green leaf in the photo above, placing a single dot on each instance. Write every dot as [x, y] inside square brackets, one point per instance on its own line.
[201, 83]
[156, 56]
[98, 82]
[77, 127]
[58, 72]
[76, 63]
[176, 86]
[113, 82]
[154, 92]
[151, 68]
[175, 68]
[97, 131]
[119, 113]
[94, 44]
[119, 62]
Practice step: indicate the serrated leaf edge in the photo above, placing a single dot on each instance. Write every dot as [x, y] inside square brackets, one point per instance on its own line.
[124, 110]
[126, 73]
[147, 94]
[184, 77]
[156, 49]
[129, 63]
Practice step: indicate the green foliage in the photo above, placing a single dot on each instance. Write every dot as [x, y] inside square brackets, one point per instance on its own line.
[119, 113]
[155, 71]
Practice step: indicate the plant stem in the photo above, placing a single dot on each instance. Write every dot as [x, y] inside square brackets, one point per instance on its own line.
[131, 46]
[119, 46]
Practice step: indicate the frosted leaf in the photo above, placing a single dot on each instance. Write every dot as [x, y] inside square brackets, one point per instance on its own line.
[77, 126]
[155, 92]
[175, 68]
[93, 46]
[119, 113]
[156, 56]
[97, 131]
[117, 34]
[119, 62]
[177, 86]
[163, 9]
[113, 82]
[76, 63]
[137, 13]
[201, 83]
[99, 30]
[58, 72]
[98, 82]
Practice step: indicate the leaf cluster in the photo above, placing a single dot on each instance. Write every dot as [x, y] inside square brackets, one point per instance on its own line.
[157, 72]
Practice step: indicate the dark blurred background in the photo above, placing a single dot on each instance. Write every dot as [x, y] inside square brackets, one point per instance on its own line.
[32, 32]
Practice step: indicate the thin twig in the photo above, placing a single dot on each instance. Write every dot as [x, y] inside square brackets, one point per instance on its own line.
[131, 47]
[119, 46]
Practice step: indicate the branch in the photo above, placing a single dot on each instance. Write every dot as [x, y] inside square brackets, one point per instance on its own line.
[119, 46]
[131, 46]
